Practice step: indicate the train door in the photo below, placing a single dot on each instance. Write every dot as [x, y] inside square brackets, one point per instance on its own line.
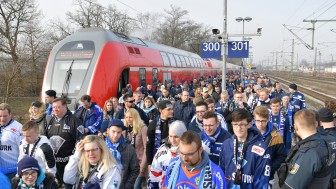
[155, 77]
[142, 77]
[123, 81]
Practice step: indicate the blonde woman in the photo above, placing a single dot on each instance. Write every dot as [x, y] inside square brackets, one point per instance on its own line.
[109, 110]
[137, 135]
[38, 115]
[92, 165]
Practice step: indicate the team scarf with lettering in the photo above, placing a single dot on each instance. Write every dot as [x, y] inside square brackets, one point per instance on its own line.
[211, 140]
[204, 166]
[113, 149]
[280, 123]
[260, 102]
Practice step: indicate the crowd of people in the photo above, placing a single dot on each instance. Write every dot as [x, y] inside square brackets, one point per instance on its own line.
[189, 135]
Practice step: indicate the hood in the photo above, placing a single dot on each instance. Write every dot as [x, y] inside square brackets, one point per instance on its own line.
[40, 177]
[253, 135]
[205, 160]
[269, 129]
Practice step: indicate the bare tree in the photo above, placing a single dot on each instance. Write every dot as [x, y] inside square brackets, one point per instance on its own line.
[117, 21]
[15, 15]
[178, 31]
[89, 14]
[145, 25]
[58, 30]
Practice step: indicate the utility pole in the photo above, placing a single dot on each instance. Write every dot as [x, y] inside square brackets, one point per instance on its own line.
[314, 71]
[292, 61]
[320, 62]
[276, 61]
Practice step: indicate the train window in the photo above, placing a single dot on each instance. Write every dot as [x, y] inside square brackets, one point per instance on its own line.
[178, 61]
[194, 62]
[172, 60]
[155, 77]
[142, 76]
[165, 59]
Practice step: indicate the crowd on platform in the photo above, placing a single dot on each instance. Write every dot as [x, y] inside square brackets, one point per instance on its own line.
[185, 135]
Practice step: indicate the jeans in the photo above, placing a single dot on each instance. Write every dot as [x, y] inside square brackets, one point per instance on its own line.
[138, 182]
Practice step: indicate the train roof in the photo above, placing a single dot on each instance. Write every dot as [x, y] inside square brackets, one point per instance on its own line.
[100, 34]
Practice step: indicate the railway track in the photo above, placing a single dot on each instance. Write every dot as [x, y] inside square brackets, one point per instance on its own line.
[321, 96]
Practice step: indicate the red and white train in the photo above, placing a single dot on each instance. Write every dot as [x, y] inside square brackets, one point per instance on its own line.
[100, 63]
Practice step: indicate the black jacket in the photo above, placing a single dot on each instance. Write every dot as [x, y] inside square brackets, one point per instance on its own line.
[130, 162]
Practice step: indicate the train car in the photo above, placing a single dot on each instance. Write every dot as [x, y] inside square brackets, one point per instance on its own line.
[101, 63]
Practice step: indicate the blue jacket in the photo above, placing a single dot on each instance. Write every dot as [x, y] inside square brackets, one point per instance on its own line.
[92, 119]
[195, 125]
[184, 111]
[256, 167]
[215, 146]
[298, 101]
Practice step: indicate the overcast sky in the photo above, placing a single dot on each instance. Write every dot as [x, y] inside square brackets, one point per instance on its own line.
[270, 15]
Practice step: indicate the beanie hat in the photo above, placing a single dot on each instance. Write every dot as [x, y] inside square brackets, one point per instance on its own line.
[325, 115]
[178, 128]
[293, 86]
[28, 163]
[37, 104]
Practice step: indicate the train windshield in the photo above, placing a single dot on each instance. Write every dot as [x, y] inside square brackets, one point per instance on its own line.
[79, 69]
[71, 64]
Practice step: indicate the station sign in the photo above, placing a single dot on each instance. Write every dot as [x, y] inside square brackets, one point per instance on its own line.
[238, 49]
[211, 50]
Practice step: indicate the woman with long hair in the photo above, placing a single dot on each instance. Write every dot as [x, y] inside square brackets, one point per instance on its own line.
[150, 109]
[92, 165]
[137, 135]
[37, 114]
[109, 110]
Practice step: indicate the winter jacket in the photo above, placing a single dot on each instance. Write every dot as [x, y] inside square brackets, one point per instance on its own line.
[42, 152]
[92, 118]
[298, 101]
[273, 139]
[278, 94]
[184, 111]
[42, 123]
[256, 167]
[107, 180]
[130, 165]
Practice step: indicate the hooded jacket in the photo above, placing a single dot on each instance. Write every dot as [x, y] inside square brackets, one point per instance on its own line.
[256, 167]
[91, 119]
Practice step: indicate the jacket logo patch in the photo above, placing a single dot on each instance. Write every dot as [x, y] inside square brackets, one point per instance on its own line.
[67, 127]
[258, 150]
[14, 130]
[294, 169]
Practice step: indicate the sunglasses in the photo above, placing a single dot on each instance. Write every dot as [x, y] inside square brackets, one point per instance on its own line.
[130, 101]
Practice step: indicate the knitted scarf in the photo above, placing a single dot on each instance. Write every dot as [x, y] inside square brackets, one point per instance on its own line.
[279, 123]
[113, 149]
[211, 140]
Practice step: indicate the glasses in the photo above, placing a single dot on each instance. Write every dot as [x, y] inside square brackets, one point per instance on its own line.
[236, 126]
[189, 154]
[260, 121]
[204, 126]
[130, 101]
[29, 173]
[92, 150]
[197, 112]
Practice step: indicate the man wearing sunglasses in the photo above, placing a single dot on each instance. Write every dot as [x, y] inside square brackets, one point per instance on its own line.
[129, 102]
[193, 168]
[244, 157]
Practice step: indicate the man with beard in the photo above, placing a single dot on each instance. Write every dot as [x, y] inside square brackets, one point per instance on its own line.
[184, 109]
[193, 169]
